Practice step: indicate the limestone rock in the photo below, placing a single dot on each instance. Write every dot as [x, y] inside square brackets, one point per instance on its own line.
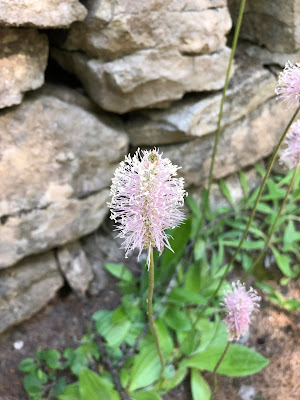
[118, 28]
[56, 164]
[197, 115]
[267, 57]
[75, 267]
[241, 144]
[145, 78]
[42, 14]
[271, 23]
[23, 60]
[27, 287]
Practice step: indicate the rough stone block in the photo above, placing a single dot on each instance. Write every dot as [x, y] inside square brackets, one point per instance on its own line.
[27, 287]
[23, 60]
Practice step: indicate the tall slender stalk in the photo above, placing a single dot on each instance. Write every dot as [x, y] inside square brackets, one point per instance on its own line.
[150, 310]
[256, 201]
[216, 368]
[258, 259]
[218, 132]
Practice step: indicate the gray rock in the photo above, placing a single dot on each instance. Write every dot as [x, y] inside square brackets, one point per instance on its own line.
[241, 144]
[23, 60]
[274, 24]
[146, 78]
[37, 230]
[56, 163]
[75, 267]
[115, 29]
[197, 115]
[42, 14]
[267, 57]
[27, 287]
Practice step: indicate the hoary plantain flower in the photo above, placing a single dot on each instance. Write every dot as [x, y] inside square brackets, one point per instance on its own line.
[291, 155]
[146, 200]
[288, 85]
[239, 305]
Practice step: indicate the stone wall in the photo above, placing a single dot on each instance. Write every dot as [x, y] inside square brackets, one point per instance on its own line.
[82, 83]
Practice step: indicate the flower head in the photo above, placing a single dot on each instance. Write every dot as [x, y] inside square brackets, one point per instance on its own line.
[239, 305]
[288, 85]
[146, 200]
[291, 155]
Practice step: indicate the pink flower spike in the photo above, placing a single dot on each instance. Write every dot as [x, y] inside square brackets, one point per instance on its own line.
[288, 85]
[146, 200]
[239, 305]
[291, 155]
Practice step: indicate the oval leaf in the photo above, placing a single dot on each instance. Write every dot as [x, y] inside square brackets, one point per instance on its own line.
[145, 369]
[200, 388]
[239, 360]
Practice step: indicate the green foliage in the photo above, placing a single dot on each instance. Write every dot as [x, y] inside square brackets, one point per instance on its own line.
[191, 334]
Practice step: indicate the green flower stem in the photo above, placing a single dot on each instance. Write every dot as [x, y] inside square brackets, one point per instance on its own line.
[256, 201]
[150, 310]
[215, 382]
[274, 223]
[218, 132]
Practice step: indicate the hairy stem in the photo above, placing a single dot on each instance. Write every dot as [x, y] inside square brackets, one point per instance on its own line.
[218, 132]
[258, 259]
[150, 310]
[256, 201]
[215, 382]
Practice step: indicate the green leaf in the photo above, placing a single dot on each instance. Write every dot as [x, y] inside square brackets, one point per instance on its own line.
[290, 236]
[239, 360]
[211, 333]
[92, 386]
[225, 191]
[80, 357]
[180, 236]
[184, 296]
[119, 271]
[146, 368]
[275, 193]
[247, 244]
[145, 395]
[172, 381]
[113, 326]
[177, 319]
[244, 183]
[199, 249]
[33, 386]
[71, 392]
[59, 387]
[199, 386]
[193, 278]
[28, 365]
[264, 208]
[246, 261]
[193, 206]
[42, 376]
[260, 170]
[283, 261]
[164, 337]
[189, 341]
[52, 357]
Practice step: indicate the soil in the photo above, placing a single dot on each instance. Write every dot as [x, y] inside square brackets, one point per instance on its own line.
[275, 334]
